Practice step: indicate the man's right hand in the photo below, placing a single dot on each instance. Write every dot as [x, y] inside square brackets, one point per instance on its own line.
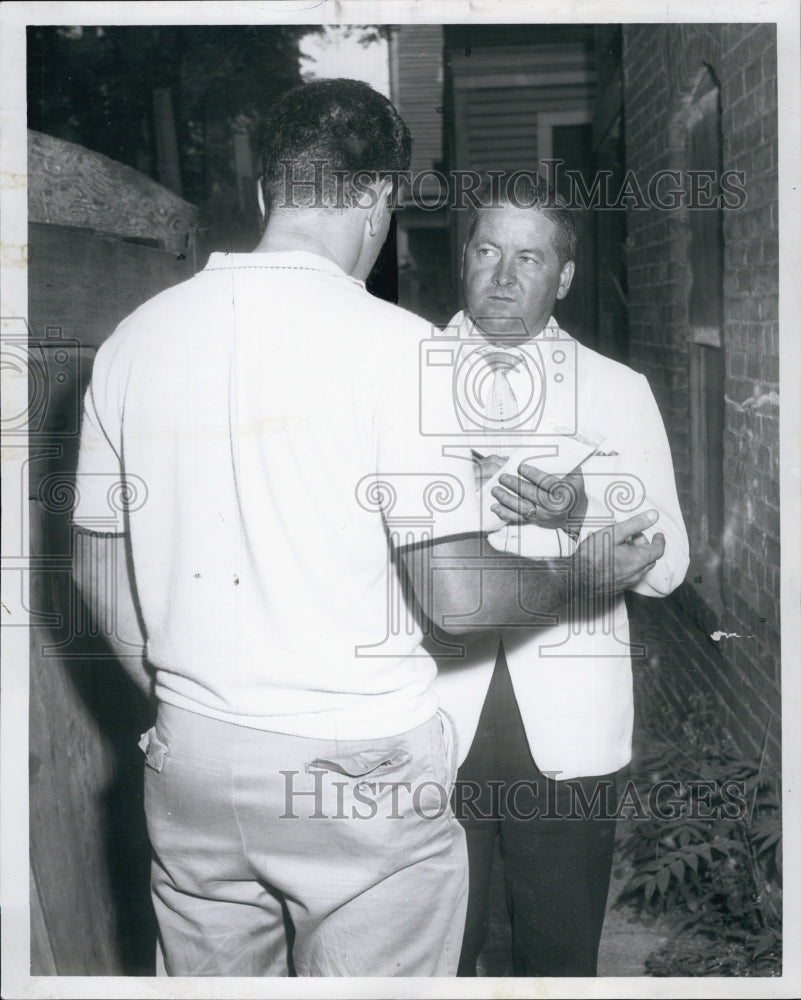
[617, 557]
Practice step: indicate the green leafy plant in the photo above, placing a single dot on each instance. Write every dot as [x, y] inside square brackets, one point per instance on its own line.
[707, 853]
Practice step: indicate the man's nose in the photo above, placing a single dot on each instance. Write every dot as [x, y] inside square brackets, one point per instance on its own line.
[504, 274]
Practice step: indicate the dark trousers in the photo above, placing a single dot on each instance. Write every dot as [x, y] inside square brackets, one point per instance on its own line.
[556, 840]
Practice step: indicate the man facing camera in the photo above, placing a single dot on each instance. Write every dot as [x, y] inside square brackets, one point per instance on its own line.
[544, 715]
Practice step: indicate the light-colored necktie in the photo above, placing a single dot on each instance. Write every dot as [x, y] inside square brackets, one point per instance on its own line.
[501, 408]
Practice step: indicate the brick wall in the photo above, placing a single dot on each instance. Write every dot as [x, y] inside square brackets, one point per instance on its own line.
[739, 592]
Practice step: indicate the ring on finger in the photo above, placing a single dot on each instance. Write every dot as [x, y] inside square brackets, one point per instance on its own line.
[532, 513]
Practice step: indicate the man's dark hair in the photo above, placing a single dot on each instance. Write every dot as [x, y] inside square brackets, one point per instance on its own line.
[526, 189]
[326, 128]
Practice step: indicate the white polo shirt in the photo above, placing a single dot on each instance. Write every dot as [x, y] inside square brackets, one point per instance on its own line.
[251, 411]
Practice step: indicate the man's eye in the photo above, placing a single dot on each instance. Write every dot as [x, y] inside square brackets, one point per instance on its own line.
[529, 260]
[486, 251]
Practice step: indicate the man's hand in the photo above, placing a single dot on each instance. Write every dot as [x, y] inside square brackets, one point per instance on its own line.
[536, 497]
[615, 558]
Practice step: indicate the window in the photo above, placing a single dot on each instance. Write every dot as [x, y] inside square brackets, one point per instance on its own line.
[706, 352]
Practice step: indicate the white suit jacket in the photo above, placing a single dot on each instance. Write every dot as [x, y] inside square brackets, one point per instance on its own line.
[572, 680]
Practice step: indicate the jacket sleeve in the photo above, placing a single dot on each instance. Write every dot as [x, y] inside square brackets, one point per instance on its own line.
[645, 461]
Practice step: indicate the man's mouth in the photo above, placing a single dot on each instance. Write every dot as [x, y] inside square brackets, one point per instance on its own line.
[502, 298]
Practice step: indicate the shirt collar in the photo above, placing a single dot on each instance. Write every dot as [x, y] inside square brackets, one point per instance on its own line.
[298, 260]
[474, 340]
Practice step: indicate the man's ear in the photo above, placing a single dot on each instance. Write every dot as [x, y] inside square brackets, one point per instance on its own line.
[565, 278]
[461, 264]
[377, 212]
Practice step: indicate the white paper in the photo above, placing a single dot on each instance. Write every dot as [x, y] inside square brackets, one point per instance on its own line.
[563, 455]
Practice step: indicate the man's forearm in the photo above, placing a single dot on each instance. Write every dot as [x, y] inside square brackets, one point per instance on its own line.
[101, 573]
[464, 585]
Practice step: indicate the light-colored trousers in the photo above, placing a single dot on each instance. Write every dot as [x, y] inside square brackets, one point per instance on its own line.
[275, 852]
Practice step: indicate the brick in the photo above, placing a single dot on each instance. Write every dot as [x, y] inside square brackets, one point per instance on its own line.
[770, 247]
[737, 363]
[753, 75]
[770, 368]
[767, 95]
[740, 675]
[770, 129]
[772, 552]
[762, 160]
[733, 90]
[769, 68]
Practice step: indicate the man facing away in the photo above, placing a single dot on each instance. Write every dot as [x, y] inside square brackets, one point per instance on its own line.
[296, 784]
[546, 714]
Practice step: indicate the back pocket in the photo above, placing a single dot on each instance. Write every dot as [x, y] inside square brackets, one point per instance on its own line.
[362, 762]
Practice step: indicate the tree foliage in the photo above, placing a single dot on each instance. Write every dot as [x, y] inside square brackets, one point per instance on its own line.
[94, 86]
[713, 864]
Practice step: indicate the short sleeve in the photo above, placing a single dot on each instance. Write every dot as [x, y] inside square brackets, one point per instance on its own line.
[99, 481]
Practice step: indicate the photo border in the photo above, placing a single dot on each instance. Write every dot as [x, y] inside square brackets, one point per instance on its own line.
[14, 884]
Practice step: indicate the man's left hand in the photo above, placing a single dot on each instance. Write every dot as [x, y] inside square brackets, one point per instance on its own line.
[536, 497]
